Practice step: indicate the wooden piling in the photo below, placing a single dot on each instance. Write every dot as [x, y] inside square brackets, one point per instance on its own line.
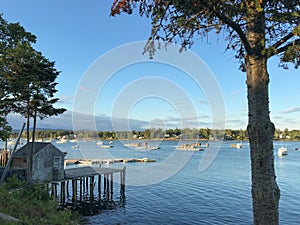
[67, 189]
[99, 187]
[63, 192]
[83, 184]
[74, 190]
[4, 157]
[54, 190]
[80, 189]
[91, 189]
[87, 183]
[104, 185]
[111, 186]
[108, 186]
[122, 177]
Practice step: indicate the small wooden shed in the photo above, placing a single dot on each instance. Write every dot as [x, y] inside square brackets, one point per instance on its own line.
[47, 161]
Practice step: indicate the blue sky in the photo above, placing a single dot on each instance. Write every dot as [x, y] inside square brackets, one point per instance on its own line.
[75, 34]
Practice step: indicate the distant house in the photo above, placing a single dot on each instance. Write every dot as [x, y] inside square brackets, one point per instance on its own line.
[47, 161]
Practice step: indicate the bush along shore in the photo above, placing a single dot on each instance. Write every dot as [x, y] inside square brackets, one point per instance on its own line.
[31, 204]
[157, 134]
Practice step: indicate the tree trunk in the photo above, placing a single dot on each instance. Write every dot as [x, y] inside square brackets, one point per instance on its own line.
[29, 150]
[27, 127]
[34, 126]
[265, 192]
[33, 137]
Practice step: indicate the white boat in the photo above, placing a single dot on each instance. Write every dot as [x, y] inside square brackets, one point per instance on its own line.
[99, 143]
[189, 147]
[238, 145]
[106, 146]
[282, 151]
[148, 147]
[142, 146]
[138, 144]
[62, 141]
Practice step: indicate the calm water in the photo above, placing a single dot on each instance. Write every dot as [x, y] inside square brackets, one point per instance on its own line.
[219, 195]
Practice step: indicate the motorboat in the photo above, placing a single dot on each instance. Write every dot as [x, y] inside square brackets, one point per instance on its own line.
[142, 146]
[148, 147]
[106, 146]
[282, 151]
[99, 143]
[191, 147]
[238, 145]
[138, 144]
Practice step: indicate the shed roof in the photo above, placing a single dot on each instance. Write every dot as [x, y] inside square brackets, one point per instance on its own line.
[38, 147]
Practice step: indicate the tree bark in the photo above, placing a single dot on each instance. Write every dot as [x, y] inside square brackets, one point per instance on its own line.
[265, 192]
[34, 126]
[28, 126]
[29, 150]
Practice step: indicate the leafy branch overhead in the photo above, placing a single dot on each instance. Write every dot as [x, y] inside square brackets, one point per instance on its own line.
[179, 21]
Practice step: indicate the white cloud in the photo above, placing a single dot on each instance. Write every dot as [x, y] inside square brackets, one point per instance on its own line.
[292, 110]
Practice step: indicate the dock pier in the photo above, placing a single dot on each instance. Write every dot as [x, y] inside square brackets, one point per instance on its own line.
[84, 181]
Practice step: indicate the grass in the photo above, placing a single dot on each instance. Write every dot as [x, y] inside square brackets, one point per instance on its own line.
[32, 205]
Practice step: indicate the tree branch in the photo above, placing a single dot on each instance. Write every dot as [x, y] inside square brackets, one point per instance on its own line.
[284, 48]
[282, 40]
[237, 29]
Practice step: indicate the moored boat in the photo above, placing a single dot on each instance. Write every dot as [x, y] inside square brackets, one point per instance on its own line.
[99, 143]
[106, 146]
[190, 147]
[62, 141]
[238, 145]
[147, 147]
[138, 144]
[282, 151]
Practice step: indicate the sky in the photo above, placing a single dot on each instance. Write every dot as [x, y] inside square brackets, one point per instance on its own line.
[108, 84]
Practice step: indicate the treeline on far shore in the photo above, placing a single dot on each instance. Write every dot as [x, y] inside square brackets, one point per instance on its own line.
[186, 133]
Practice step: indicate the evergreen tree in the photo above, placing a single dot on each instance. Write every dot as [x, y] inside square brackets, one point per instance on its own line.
[11, 36]
[27, 80]
[5, 130]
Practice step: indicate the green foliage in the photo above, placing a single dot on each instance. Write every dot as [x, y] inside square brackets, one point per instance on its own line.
[5, 129]
[11, 36]
[32, 204]
[27, 78]
[5, 222]
[11, 183]
[180, 21]
[202, 133]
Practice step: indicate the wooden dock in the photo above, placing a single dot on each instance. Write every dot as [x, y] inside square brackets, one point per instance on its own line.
[84, 180]
[106, 161]
[4, 156]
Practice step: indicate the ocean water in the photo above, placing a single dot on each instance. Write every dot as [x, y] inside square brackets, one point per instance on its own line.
[221, 194]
